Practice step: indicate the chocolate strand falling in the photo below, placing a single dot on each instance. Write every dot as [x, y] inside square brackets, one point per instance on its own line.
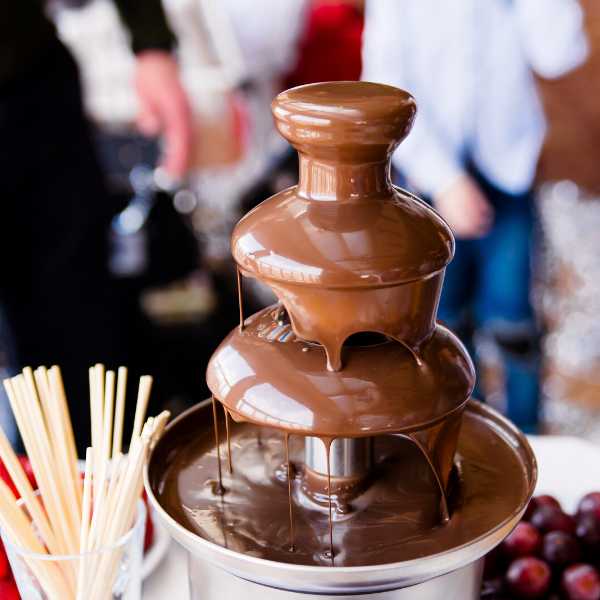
[328, 448]
[287, 452]
[239, 278]
[220, 490]
[443, 502]
[222, 520]
[228, 440]
[258, 435]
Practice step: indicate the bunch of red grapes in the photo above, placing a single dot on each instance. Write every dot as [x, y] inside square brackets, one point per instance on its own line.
[550, 555]
[8, 587]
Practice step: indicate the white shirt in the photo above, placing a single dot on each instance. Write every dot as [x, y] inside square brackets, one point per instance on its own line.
[469, 64]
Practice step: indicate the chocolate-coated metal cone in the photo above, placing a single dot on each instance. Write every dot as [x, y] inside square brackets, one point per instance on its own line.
[346, 251]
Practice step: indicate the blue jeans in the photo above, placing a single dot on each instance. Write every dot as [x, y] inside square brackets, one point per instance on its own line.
[490, 278]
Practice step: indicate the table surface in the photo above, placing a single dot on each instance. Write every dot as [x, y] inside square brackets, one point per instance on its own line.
[568, 469]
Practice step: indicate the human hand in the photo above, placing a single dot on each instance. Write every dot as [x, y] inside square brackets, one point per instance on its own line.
[466, 209]
[164, 107]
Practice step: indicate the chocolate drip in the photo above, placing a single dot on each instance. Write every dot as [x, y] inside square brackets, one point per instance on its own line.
[381, 389]
[230, 469]
[239, 281]
[220, 489]
[445, 514]
[289, 478]
[352, 350]
[395, 519]
[327, 443]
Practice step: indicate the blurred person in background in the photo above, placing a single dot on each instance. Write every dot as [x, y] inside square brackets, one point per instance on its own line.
[474, 149]
[54, 285]
[331, 43]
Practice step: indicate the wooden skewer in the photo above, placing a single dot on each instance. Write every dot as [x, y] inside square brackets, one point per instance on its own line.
[112, 558]
[126, 493]
[160, 423]
[96, 525]
[141, 406]
[119, 411]
[123, 514]
[19, 530]
[64, 522]
[28, 410]
[42, 399]
[59, 441]
[57, 391]
[15, 470]
[109, 392]
[51, 426]
[85, 522]
[19, 408]
[57, 388]
[87, 500]
[18, 521]
[57, 507]
[110, 495]
[97, 422]
[116, 496]
[95, 428]
[100, 497]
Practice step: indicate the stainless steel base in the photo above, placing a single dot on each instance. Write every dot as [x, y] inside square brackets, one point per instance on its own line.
[208, 582]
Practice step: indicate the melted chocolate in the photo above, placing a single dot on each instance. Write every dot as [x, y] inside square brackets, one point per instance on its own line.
[264, 375]
[396, 519]
[346, 253]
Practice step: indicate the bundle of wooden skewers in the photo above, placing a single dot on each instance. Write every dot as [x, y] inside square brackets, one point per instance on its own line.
[62, 510]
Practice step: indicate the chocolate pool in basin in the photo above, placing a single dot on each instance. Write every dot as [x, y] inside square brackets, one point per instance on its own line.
[341, 454]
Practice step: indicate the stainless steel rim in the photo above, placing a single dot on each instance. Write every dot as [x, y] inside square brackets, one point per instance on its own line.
[331, 580]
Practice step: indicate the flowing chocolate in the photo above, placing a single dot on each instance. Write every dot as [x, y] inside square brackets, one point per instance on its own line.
[346, 251]
[394, 519]
[353, 350]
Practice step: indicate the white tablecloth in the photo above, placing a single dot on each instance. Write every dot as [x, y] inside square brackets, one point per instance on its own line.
[568, 469]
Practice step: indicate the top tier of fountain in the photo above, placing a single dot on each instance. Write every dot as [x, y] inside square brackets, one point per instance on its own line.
[346, 253]
[372, 255]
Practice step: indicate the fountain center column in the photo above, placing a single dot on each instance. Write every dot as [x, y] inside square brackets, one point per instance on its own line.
[348, 457]
[335, 181]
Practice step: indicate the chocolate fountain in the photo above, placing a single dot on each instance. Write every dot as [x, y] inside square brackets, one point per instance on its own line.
[341, 454]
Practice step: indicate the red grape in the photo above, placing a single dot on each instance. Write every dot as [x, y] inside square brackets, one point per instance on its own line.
[528, 578]
[492, 563]
[560, 549]
[546, 500]
[581, 582]
[524, 539]
[587, 529]
[550, 518]
[590, 505]
[536, 502]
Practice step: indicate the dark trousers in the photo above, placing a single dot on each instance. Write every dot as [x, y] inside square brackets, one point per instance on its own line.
[54, 285]
[491, 276]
